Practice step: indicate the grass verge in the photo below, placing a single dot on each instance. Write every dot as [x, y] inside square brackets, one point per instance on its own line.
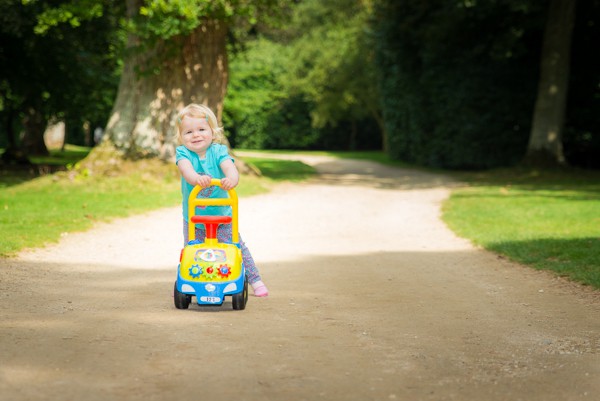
[549, 220]
[545, 219]
[35, 211]
[58, 157]
[39, 210]
[281, 170]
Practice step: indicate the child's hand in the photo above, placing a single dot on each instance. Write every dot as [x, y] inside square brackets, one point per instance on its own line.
[228, 183]
[203, 181]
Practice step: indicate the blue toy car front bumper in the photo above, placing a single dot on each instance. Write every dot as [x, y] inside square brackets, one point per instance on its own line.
[210, 293]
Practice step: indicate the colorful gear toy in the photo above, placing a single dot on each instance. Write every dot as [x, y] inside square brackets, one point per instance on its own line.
[224, 271]
[195, 271]
[210, 273]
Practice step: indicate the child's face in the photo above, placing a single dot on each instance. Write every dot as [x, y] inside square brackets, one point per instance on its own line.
[196, 134]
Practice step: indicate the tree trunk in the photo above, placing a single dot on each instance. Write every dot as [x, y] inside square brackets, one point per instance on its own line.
[34, 125]
[156, 84]
[376, 114]
[353, 134]
[13, 154]
[545, 141]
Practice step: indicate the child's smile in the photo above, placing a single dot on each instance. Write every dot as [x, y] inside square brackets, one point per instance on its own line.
[196, 134]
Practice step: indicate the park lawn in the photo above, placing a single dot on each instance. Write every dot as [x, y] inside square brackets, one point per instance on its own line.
[58, 157]
[281, 170]
[37, 211]
[549, 220]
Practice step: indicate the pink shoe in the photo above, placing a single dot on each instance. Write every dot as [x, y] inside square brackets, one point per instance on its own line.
[260, 289]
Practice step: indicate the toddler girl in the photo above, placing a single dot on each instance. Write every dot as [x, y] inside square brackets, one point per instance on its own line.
[199, 160]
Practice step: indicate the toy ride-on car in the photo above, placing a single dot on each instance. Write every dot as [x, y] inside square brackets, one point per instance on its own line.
[211, 270]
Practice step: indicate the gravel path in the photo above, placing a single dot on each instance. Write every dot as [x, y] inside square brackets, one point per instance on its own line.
[372, 298]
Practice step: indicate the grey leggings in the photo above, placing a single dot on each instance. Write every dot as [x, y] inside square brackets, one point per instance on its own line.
[224, 235]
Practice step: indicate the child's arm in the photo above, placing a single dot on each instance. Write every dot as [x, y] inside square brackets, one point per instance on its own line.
[232, 176]
[191, 176]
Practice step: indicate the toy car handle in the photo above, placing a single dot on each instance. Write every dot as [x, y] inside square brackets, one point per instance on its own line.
[231, 200]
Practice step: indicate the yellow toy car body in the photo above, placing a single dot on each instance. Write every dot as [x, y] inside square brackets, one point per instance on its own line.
[211, 270]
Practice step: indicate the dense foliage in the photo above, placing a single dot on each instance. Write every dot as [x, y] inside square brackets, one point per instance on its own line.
[258, 112]
[436, 83]
[582, 132]
[308, 85]
[459, 80]
[51, 72]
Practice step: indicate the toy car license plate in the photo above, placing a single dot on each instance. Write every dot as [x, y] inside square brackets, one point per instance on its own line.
[211, 300]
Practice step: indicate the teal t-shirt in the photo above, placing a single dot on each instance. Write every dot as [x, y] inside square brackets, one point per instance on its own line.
[210, 165]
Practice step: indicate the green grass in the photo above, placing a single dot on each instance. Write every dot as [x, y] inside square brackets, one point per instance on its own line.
[38, 211]
[281, 170]
[549, 220]
[35, 211]
[545, 219]
[71, 155]
[373, 155]
[57, 159]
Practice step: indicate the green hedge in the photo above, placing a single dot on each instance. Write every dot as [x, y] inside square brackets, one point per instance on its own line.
[458, 83]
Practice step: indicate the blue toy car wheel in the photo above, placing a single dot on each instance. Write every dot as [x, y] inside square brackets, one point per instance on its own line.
[182, 301]
[239, 300]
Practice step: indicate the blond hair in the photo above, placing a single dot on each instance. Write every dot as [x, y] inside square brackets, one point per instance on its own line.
[200, 111]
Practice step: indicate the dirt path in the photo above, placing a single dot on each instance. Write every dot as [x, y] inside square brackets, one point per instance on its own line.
[372, 298]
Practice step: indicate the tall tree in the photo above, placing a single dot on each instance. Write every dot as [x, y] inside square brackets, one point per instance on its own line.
[581, 136]
[54, 65]
[457, 79]
[308, 85]
[177, 55]
[545, 141]
[333, 65]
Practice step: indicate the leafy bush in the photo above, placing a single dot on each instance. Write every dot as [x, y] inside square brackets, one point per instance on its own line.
[258, 113]
[581, 139]
[308, 86]
[458, 82]
[261, 112]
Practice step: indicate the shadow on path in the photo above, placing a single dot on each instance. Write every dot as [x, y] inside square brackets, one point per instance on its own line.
[376, 175]
[403, 322]
[337, 171]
